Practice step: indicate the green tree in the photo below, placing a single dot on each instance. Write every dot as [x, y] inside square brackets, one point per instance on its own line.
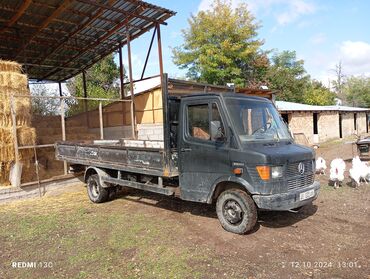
[101, 82]
[288, 76]
[220, 46]
[317, 94]
[44, 106]
[357, 91]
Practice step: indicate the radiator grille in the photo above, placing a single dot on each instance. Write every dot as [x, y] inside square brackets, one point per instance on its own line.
[300, 182]
[292, 169]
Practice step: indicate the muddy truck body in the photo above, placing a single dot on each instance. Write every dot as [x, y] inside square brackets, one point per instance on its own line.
[224, 148]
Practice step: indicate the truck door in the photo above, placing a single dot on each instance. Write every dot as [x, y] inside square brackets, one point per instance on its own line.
[204, 147]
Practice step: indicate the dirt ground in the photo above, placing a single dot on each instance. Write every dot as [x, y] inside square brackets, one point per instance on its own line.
[141, 235]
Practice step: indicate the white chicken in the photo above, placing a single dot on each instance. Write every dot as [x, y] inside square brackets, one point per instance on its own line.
[337, 168]
[320, 165]
[359, 171]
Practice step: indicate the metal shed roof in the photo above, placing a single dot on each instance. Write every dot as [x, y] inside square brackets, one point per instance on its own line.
[57, 39]
[290, 106]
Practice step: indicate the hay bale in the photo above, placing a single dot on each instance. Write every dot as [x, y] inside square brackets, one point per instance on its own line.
[26, 136]
[13, 82]
[10, 66]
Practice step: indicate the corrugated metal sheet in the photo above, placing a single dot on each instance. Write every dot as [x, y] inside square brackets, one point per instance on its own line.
[56, 39]
[290, 106]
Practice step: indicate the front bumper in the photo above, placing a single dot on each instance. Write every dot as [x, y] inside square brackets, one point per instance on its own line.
[286, 201]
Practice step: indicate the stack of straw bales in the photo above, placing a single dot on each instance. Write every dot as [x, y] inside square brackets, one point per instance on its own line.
[13, 82]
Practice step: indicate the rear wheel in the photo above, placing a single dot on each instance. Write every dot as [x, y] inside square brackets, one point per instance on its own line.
[236, 211]
[96, 192]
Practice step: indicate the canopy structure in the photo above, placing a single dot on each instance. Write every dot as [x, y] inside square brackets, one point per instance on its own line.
[57, 39]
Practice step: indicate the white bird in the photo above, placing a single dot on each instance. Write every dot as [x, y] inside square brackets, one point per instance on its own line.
[359, 171]
[337, 168]
[320, 165]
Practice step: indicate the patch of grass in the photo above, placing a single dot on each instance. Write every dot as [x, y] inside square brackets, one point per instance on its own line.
[85, 240]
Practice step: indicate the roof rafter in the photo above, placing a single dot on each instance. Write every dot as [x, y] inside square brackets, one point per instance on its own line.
[46, 22]
[99, 40]
[19, 13]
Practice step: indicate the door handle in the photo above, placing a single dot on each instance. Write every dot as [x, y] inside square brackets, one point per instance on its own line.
[185, 149]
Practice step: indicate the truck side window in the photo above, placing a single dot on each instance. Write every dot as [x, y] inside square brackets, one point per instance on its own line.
[217, 127]
[198, 121]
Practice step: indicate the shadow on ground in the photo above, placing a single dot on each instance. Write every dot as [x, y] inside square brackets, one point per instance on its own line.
[271, 219]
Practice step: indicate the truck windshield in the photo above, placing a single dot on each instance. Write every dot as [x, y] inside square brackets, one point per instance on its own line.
[256, 120]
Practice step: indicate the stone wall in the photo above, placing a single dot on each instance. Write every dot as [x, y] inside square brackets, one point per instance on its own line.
[302, 122]
[347, 124]
[328, 125]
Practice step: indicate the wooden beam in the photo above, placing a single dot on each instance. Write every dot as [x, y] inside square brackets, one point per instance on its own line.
[18, 14]
[96, 43]
[45, 23]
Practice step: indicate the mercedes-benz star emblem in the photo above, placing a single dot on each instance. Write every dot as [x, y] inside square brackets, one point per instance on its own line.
[301, 168]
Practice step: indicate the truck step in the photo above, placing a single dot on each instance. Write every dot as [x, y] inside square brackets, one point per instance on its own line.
[138, 185]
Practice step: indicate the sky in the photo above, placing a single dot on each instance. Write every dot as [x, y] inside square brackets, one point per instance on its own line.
[321, 32]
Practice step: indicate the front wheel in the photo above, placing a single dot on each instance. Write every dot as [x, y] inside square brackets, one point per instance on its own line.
[96, 192]
[236, 211]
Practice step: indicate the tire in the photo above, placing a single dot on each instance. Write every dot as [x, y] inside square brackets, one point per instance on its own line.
[97, 194]
[236, 211]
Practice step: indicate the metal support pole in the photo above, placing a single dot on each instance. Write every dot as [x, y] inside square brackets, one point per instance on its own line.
[160, 50]
[122, 87]
[14, 120]
[85, 96]
[147, 55]
[101, 123]
[121, 76]
[164, 87]
[60, 89]
[63, 130]
[133, 124]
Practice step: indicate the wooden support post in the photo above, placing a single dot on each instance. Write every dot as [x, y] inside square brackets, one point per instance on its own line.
[63, 129]
[14, 122]
[101, 122]
[133, 124]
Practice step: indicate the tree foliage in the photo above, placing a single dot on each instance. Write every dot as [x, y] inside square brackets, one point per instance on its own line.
[357, 91]
[220, 46]
[288, 76]
[44, 106]
[101, 82]
[317, 94]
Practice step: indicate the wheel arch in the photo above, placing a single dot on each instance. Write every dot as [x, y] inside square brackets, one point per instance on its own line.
[95, 170]
[230, 182]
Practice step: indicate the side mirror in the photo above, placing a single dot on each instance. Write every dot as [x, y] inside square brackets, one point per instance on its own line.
[217, 132]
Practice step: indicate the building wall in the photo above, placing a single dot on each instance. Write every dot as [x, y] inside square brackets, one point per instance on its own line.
[328, 125]
[361, 122]
[302, 122]
[347, 124]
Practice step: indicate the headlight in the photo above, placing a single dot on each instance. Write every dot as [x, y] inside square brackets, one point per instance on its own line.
[277, 172]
